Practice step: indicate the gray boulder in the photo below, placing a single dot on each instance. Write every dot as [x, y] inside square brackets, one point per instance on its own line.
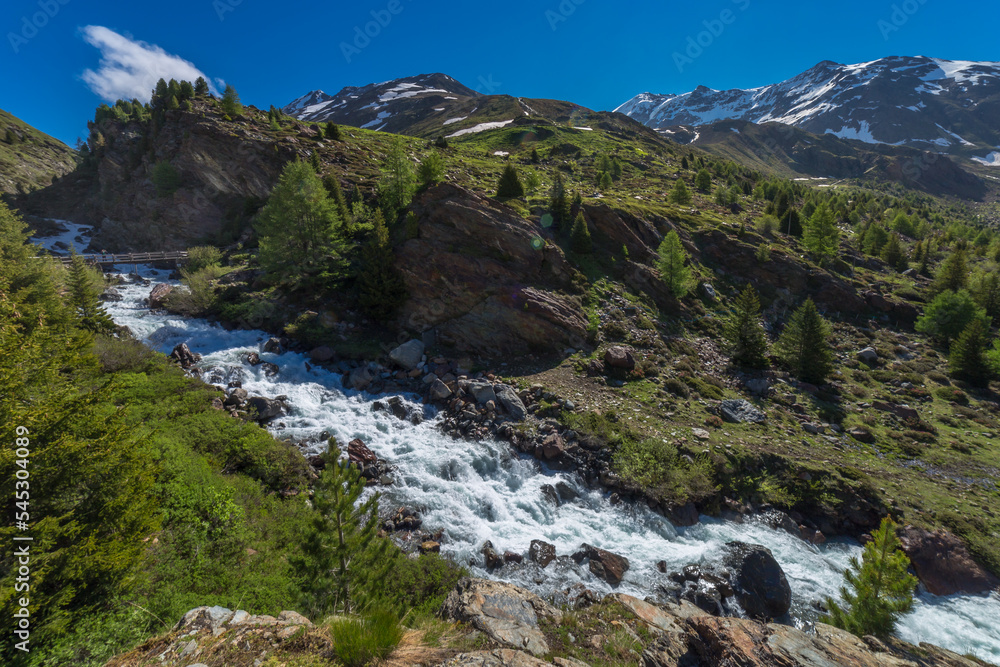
[265, 408]
[868, 355]
[360, 378]
[321, 354]
[758, 581]
[408, 354]
[740, 411]
[483, 392]
[439, 390]
[512, 405]
[273, 345]
[505, 613]
[758, 386]
[236, 397]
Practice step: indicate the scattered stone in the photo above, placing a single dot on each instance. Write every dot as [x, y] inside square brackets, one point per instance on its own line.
[236, 397]
[482, 391]
[439, 391]
[741, 411]
[708, 291]
[111, 294]
[619, 357]
[603, 564]
[264, 408]
[700, 433]
[904, 412]
[512, 405]
[758, 386]
[253, 359]
[868, 355]
[270, 370]
[861, 435]
[430, 547]
[273, 345]
[493, 559]
[360, 378]
[541, 552]
[408, 354]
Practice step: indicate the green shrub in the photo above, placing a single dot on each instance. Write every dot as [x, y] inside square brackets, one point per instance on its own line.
[360, 641]
[125, 354]
[953, 395]
[677, 387]
[420, 585]
[201, 257]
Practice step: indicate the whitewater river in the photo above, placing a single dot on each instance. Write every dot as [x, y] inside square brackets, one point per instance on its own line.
[478, 491]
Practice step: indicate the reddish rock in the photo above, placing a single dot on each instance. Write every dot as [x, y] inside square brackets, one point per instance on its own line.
[904, 412]
[358, 452]
[943, 563]
[619, 357]
[553, 447]
[603, 564]
[541, 552]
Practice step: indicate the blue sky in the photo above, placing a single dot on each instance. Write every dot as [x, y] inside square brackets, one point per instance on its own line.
[596, 53]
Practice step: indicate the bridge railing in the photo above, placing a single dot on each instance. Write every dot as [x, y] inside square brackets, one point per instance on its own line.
[127, 258]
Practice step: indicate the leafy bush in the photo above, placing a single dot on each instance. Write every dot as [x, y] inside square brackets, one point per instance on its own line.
[201, 257]
[656, 465]
[953, 395]
[360, 641]
[421, 584]
[677, 387]
[948, 315]
[125, 354]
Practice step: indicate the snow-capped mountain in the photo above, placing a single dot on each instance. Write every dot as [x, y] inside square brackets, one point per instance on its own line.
[927, 103]
[387, 106]
[428, 105]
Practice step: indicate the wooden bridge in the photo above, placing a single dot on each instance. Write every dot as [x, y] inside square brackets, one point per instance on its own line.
[130, 258]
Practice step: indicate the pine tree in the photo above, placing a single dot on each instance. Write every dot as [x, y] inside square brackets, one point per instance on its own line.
[893, 253]
[201, 86]
[744, 333]
[604, 182]
[160, 93]
[821, 235]
[671, 263]
[953, 274]
[510, 186]
[332, 131]
[684, 163]
[398, 180]
[231, 102]
[986, 292]
[534, 156]
[703, 181]
[299, 230]
[431, 170]
[967, 360]
[616, 169]
[580, 240]
[441, 141]
[559, 204]
[947, 316]
[680, 194]
[85, 297]
[791, 223]
[341, 556]
[380, 287]
[332, 186]
[804, 345]
[315, 162]
[881, 589]
[186, 90]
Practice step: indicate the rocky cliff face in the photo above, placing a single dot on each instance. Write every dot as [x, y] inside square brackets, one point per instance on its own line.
[224, 169]
[481, 277]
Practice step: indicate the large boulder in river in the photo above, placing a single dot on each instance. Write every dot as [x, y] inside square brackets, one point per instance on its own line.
[758, 581]
[943, 563]
[158, 296]
[542, 553]
[360, 378]
[505, 613]
[408, 354]
[264, 408]
[184, 356]
[603, 564]
[482, 278]
[236, 397]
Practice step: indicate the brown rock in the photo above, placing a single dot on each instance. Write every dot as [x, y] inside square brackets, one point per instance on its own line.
[619, 357]
[430, 547]
[553, 447]
[542, 553]
[603, 564]
[904, 412]
[943, 563]
[322, 354]
[158, 296]
[358, 452]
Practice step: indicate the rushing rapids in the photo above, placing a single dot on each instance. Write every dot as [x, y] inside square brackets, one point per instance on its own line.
[479, 491]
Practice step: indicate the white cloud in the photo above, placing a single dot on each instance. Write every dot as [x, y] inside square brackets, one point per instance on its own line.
[131, 68]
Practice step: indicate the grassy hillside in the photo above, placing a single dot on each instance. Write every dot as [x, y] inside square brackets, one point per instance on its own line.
[30, 159]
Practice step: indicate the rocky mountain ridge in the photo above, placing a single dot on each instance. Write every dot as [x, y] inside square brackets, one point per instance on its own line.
[926, 103]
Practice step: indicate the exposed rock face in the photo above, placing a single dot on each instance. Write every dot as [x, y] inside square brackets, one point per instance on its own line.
[758, 581]
[480, 276]
[512, 405]
[506, 613]
[737, 411]
[943, 564]
[503, 657]
[619, 357]
[603, 564]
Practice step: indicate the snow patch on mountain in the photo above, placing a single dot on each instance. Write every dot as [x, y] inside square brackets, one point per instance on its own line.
[991, 160]
[482, 127]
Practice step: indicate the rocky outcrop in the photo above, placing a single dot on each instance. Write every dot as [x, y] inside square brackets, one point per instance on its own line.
[264, 409]
[943, 563]
[505, 613]
[503, 657]
[158, 296]
[183, 355]
[739, 411]
[480, 276]
[408, 354]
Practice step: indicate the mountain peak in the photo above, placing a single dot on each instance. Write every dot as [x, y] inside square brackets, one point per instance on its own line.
[900, 100]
